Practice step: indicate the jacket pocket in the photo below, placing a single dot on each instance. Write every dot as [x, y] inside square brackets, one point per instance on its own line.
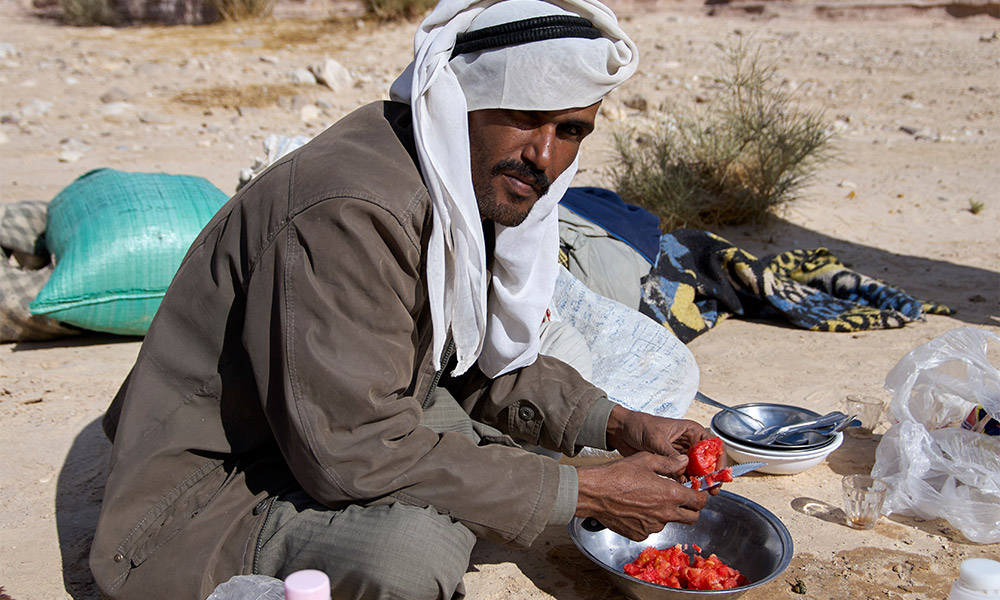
[171, 514]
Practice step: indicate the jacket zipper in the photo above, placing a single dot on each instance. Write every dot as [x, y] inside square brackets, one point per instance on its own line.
[445, 357]
[260, 535]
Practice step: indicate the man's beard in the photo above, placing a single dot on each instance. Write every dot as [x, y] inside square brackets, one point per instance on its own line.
[503, 213]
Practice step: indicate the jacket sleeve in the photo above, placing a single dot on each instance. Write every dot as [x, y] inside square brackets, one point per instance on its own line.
[331, 332]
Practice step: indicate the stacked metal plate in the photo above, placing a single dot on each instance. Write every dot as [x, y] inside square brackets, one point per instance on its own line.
[785, 455]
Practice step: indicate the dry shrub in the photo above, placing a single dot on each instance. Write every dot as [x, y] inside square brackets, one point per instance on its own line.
[86, 13]
[390, 10]
[732, 164]
[238, 10]
[231, 96]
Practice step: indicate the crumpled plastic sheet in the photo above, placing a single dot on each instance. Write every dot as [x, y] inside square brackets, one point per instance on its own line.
[249, 587]
[932, 468]
[637, 362]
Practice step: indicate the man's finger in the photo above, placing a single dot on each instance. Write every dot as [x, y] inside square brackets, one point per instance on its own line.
[669, 465]
[685, 515]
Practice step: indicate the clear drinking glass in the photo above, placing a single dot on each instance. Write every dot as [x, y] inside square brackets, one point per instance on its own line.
[863, 500]
[867, 408]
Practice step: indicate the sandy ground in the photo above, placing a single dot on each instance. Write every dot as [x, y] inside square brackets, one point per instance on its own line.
[895, 205]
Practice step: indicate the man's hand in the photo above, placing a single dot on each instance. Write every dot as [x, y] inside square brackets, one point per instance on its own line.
[630, 432]
[635, 497]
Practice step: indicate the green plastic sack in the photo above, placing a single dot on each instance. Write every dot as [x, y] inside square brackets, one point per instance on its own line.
[118, 239]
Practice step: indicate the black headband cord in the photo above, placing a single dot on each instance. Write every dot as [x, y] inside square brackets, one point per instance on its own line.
[523, 32]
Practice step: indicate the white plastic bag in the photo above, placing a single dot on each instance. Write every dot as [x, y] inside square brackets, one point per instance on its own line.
[639, 363]
[932, 467]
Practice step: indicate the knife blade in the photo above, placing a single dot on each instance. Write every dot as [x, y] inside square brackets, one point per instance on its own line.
[735, 471]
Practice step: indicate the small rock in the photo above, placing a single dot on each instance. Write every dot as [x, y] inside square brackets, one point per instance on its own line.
[302, 76]
[251, 43]
[10, 119]
[117, 112]
[70, 156]
[847, 184]
[8, 50]
[152, 118]
[36, 108]
[907, 96]
[309, 112]
[271, 60]
[114, 95]
[332, 74]
[3, 138]
[149, 70]
[637, 102]
[71, 81]
[324, 105]
[977, 298]
[298, 101]
[612, 112]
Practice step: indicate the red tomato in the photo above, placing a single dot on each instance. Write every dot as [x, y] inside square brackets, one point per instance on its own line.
[703, 457]
[673, 567]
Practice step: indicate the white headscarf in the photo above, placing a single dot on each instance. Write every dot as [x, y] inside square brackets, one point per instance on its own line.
[500, 331]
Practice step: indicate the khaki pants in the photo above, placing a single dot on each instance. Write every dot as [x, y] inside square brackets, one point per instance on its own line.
[379, 551]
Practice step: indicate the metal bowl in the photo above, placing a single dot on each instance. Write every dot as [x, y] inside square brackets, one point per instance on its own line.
[738, 429]
[743, 534]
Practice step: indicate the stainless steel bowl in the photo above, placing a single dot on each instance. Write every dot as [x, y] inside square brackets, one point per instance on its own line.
[733, 427]
[743, 534]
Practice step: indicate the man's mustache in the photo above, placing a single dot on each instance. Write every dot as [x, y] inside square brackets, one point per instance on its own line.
[535, 177]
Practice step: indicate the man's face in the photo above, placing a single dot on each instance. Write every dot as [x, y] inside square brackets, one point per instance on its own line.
[517, 154]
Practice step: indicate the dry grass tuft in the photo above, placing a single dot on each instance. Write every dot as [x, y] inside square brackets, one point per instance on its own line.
[392, 10]
[732, 164]
[229, 96]
[240, 10]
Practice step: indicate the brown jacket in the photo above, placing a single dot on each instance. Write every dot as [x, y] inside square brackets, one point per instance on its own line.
[292, 349]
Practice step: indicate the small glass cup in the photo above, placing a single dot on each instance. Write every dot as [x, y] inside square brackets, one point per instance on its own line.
[867, 408]
[863, 500]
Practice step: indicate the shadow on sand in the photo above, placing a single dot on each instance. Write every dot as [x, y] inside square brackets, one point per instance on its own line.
[78, 502]
[971, 291]
[89, 338]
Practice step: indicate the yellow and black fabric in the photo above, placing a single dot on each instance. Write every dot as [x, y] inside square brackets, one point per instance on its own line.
[699, 278]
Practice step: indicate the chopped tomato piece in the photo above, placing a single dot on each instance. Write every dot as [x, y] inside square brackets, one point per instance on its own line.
[703, 457]
[673, 567]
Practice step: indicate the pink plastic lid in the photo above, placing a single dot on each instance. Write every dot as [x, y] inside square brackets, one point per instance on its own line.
[307, 585]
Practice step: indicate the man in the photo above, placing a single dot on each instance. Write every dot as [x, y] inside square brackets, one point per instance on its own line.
[338, 372]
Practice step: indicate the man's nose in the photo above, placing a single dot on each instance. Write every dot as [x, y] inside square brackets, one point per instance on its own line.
[538, 151]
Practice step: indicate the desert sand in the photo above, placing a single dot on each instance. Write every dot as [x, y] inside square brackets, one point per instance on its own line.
[912, 89]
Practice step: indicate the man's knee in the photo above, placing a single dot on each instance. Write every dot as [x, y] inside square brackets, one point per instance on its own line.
[408, 552]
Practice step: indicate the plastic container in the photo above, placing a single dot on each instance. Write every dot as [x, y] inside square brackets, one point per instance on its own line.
[978, 579]
[307, 585]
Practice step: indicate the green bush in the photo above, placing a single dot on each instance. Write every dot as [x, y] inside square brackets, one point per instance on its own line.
[390, 10]
[85, 13]
[733, 163]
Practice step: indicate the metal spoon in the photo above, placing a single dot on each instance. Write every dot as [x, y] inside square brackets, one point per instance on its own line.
[800, 438]
[706, 400]
[768, 435]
